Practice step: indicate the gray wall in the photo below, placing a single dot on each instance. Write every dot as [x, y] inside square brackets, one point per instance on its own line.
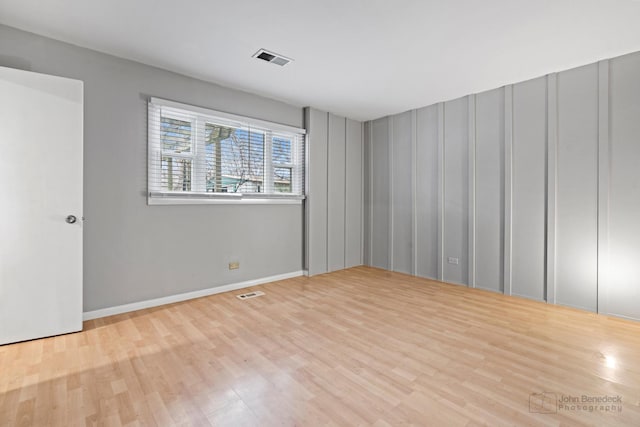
[428, 150]
[489, 190]
[528, 180]
[576, 222]
[534, 187]
[456, 191]
[135, 252]
[334, 202]
[379, 207]
[402, 193]
[622, 291]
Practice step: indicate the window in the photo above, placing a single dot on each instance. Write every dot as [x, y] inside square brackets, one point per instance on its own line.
[204, 156]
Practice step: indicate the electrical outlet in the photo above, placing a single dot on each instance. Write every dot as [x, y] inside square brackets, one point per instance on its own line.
[453, 260]
[234, 265]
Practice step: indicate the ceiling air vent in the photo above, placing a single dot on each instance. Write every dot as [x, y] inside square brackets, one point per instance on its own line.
[272, 57]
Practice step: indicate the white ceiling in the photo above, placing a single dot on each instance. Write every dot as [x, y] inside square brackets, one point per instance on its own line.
[359, 58]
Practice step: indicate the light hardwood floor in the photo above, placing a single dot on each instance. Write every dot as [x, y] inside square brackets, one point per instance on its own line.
[356, 347]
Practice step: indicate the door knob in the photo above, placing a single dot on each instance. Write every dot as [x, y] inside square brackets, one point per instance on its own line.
[71, 219]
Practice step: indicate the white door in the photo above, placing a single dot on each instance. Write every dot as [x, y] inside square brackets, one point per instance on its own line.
[40, 195]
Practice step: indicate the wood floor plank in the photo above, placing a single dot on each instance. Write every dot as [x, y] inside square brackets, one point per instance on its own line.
[356, 347]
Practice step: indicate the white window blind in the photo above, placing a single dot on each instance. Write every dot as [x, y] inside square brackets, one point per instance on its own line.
[197, 154]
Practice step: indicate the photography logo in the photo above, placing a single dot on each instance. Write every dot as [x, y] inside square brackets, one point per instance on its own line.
[543, 403]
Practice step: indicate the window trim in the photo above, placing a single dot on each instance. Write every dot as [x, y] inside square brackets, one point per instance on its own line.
[295, 186]
[156, 196]
[239, 120]
[180, 198]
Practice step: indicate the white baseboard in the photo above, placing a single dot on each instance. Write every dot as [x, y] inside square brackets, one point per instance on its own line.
[125, 308]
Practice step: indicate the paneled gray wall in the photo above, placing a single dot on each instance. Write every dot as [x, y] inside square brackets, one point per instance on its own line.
[380, 202]
[529, 169]
[456, 191]
[427, 192]
[353, 246]
[533, 187]
[576, 222]
[402, 193]
[622, 291]
[316, 203]
[489, 190]
[334, 202]
[336, 177]
[366, 196]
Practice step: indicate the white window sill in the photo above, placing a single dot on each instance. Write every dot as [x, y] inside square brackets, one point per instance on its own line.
[222, 199]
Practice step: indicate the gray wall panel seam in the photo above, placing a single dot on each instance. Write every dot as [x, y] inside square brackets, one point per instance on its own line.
[390, 159]
[414, 193]
[344, 213]
[546, 187]
[508, 186]
[441, 175]
[370, 193]
[552, 158]
[326, 236]
[362, 207]
[472, 191]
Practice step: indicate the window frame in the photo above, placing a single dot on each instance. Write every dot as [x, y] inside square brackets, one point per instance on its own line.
[193, 151]
[199, 118]
[291, 165]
